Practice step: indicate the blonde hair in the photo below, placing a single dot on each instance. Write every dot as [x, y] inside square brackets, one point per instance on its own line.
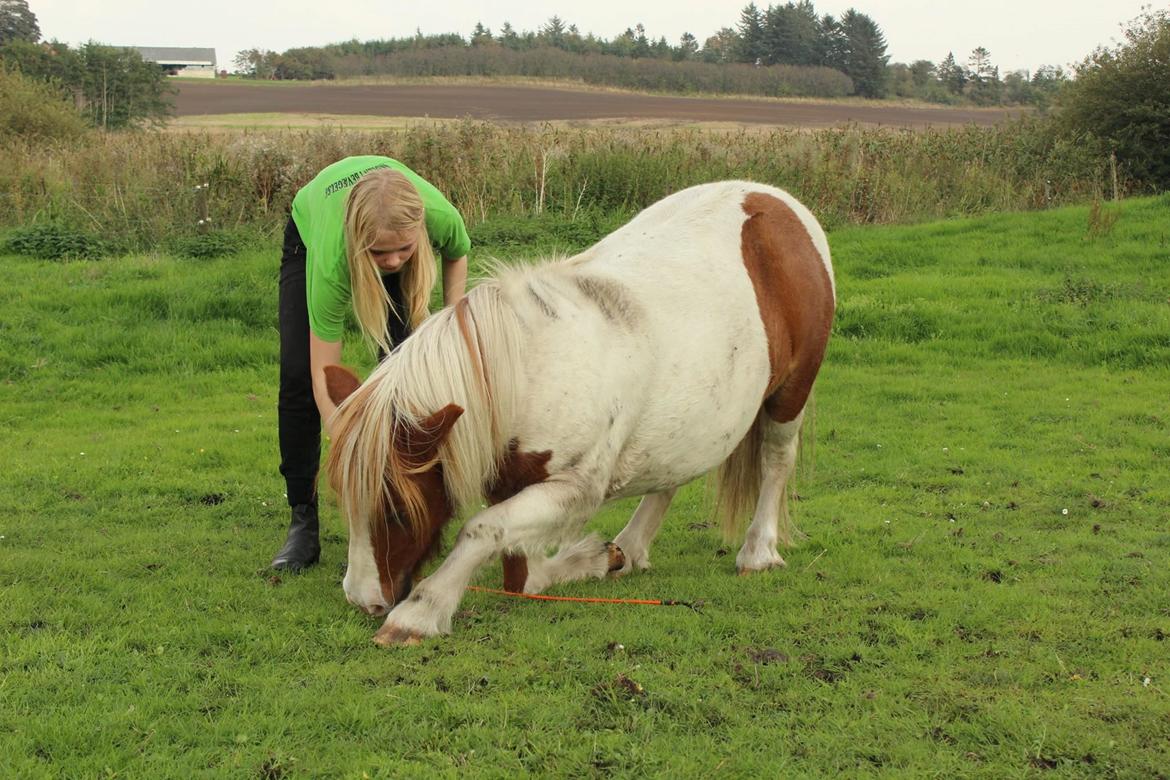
[466, 355]
[384, 199]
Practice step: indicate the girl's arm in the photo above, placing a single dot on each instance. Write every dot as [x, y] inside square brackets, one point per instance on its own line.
[321, 354]
[454, 280]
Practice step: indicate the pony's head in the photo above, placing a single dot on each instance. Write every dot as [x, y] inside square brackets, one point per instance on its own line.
[385, 468]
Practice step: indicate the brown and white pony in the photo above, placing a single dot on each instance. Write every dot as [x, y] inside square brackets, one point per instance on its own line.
[686, 341]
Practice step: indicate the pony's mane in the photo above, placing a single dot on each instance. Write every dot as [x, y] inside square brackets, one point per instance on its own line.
[467, 355]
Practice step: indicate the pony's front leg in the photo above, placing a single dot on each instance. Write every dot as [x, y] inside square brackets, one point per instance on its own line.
[530, 519]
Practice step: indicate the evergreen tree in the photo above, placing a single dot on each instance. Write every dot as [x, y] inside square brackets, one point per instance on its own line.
[688, 48]
[833, 44]
[807, 42]
[623, 45]
[573, 40]
[641, 42]
[984, 86]
[865, 58]
[979, 68]
[508, 37]
[18, 22]
[951, 75]
[791, 35]
[553, 33]
[481, 35]
[751, 35]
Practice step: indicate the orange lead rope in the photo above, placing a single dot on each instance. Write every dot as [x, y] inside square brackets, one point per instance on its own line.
[695, 606]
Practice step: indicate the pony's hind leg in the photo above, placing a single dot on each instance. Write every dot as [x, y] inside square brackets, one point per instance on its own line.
[636, 538]
[770, 523]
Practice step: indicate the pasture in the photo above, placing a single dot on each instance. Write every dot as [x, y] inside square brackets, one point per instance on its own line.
[983, 590]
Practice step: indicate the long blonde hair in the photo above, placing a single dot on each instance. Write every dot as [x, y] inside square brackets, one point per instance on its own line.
[384, 199]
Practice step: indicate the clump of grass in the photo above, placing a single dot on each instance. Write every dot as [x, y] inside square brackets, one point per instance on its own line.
[55, 241]
[1101, 220]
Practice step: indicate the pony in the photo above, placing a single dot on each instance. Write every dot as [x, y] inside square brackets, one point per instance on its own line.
[685, 342]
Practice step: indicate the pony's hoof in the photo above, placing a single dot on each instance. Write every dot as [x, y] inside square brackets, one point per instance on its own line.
[389, 636]
[746, 571]
[617, 558]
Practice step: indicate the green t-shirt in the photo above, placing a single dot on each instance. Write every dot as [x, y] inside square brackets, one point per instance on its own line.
[319, 212]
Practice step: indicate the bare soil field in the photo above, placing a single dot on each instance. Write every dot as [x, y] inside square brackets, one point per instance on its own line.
[547, 104]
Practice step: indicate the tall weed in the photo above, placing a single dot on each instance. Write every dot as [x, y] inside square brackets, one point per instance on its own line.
[153, 187]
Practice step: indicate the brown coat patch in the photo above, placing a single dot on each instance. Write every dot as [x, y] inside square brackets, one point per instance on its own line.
[402, 547]
[795, 296]
[517, 471]
[515, 573]
[398, 551]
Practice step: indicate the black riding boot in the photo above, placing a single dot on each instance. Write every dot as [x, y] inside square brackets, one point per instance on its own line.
[302, 548]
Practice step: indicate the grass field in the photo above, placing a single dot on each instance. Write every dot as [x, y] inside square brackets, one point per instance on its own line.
[983, 592]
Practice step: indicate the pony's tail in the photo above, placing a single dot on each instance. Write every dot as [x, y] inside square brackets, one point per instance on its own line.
[737, 480]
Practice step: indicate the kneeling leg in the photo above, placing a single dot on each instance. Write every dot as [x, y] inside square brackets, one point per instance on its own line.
[588, 558]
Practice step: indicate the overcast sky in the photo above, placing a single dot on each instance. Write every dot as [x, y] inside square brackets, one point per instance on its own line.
[1021, 34]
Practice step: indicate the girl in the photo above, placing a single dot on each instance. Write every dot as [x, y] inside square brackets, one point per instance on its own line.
[364, 233]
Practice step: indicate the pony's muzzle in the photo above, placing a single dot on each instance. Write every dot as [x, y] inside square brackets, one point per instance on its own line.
[376, 608]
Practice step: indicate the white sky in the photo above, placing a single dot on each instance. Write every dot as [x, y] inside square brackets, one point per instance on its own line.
[1021, 34]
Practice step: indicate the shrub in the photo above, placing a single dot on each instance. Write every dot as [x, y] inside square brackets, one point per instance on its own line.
[112, 87]
[55, 241]
[1121, 99]
[212, 244]
[35, 110]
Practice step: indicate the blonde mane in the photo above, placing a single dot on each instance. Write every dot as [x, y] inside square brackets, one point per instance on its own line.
[466, 355]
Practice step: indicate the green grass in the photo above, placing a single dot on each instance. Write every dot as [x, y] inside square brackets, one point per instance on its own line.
[983, 590]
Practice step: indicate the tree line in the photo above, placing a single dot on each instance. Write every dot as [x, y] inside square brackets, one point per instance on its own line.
[792, 34]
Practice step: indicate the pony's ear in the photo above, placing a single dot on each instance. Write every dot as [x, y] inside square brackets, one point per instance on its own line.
[422, 443]
[340, 383]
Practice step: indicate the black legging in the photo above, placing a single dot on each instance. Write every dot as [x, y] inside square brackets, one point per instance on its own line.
[298, 420]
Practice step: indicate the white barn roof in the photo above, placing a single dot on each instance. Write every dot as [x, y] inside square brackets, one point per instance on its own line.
[176, 55]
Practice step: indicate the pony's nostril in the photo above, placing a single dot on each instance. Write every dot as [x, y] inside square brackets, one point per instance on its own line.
[377, 610]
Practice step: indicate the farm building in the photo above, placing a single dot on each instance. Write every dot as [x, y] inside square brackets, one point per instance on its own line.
[181, 61]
